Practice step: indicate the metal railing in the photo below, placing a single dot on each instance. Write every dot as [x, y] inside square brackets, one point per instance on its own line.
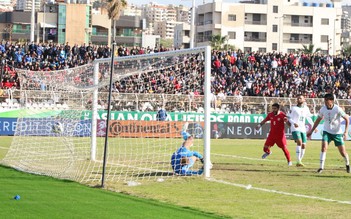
[171, 102]
[253, 39]
[256, 22]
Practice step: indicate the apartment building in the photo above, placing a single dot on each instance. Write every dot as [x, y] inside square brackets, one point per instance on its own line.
[272, 25]
[26, 5]
[161, 19]
[183, 14]
[181, 37]
[154, 12]
[346, 26]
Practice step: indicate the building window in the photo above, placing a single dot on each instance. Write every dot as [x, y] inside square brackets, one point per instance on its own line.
[231, 17]
[324, 38]
[294, 37]
[207, 36]
[247, 49]
[291, 50]
[295, 19]
[256, 17]
[325, 21]
[263, 50]
[275, 28]
[275, 46]
[232, 35]
[275, 9]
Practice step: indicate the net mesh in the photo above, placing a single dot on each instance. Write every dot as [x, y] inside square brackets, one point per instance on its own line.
[54, 130]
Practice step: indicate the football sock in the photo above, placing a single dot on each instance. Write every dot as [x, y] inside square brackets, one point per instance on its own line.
[287, 154]
[322, 159]
[346, 158]
[302, 153]
[298, 153]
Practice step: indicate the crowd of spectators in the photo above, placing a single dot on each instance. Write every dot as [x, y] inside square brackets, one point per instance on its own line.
[281, 75]
[239, 73]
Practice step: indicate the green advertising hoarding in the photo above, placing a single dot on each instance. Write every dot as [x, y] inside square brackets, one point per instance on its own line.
[144, 116]
[178, 116]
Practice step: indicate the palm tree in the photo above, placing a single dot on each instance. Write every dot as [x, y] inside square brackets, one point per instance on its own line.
[347, 51]
[217, 41]
[114, 8]
[309, 49]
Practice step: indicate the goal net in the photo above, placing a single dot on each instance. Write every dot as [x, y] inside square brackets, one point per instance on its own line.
[61, 126]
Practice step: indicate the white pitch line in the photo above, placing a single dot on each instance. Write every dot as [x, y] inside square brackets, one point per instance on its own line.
[280, 192]
[265, 160]
[5, 148]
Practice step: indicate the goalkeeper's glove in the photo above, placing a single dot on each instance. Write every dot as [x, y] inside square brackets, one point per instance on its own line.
[202, 160]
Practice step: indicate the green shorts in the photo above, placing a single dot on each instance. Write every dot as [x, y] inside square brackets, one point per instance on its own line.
[300, 135]
[337, 138]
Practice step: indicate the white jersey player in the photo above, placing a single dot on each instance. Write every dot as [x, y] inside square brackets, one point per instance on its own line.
[332, 115]
[297, 118]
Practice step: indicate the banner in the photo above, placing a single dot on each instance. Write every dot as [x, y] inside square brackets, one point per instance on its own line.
[40, 127]
[143, 116]
[177, 116]
[241, 131]
[144, 129]
[147, 129]
[8, 126]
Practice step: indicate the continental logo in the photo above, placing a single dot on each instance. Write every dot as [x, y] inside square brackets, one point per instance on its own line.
[145, 129]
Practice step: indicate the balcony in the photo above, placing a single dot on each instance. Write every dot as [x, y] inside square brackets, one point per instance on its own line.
[254, 39]
[18, 31]
[100, 34]
[299, 41]
[299, 24]
[256, 22]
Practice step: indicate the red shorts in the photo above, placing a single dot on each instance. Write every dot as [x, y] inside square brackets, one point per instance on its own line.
[280, 141]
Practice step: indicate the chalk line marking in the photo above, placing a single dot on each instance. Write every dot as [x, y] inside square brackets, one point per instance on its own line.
[279, 192]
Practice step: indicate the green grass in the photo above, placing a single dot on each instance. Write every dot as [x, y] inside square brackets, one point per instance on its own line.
[278, 191]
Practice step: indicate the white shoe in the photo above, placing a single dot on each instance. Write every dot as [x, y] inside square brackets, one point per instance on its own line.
[289, 163]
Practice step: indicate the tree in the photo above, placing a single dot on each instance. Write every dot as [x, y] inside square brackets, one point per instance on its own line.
[114, 8]
[217, 41]
[347, 51]
[309, 49]
[167, 43]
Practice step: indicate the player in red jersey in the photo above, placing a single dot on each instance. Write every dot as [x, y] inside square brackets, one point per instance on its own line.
[276, 133]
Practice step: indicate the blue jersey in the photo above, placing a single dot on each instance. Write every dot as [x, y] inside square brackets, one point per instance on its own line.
[184, 169]
[161, 115]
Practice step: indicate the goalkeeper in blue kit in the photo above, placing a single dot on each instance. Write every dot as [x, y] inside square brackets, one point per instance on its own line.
[183, 159]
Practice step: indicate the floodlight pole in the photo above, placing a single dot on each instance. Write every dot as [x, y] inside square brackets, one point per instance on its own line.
[192, 27]
[108, 116]
[32, 22]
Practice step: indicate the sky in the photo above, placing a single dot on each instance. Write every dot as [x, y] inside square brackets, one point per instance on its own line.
[188, 3]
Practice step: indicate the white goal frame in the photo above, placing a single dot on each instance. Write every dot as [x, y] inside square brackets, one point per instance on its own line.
[207, 92]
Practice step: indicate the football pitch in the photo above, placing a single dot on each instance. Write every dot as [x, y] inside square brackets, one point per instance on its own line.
[242, 185]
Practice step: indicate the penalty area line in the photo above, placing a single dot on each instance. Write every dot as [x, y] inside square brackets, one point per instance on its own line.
[279, 192]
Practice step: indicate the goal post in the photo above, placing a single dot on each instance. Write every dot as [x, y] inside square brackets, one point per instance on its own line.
[207, 89]
[62, 118]
[207, 93]
[94, 113]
